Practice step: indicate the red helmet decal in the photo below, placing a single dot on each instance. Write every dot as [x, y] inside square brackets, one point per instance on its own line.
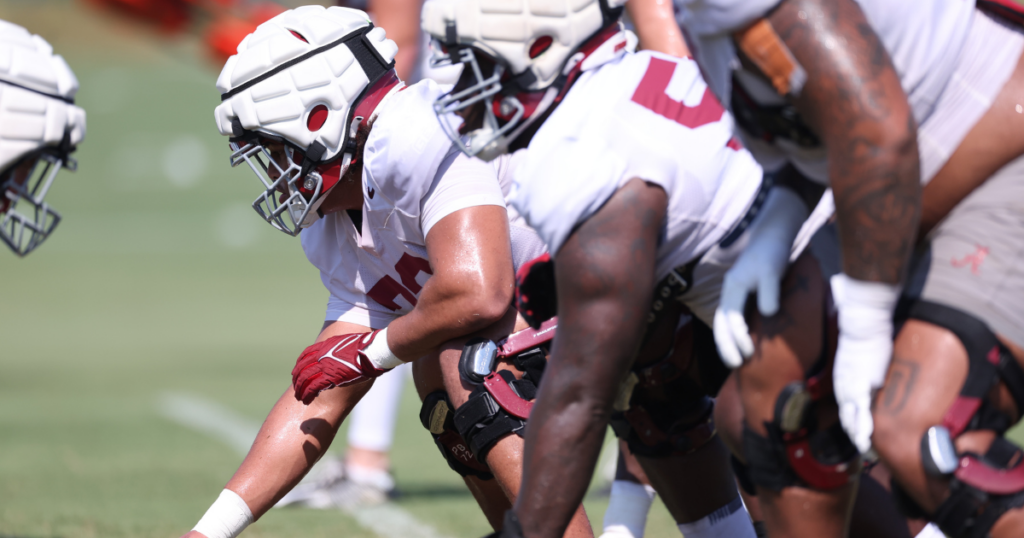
[317, 118]
[540, 45]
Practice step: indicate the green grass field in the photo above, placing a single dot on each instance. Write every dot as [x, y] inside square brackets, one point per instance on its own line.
[161, 279]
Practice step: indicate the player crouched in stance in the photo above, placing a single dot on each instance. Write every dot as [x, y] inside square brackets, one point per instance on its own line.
[873, 98]
[633, 180]
[41, 128]
[411, 237]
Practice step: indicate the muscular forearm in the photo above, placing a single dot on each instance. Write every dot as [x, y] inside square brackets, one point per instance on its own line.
[471, 287]
[854, 101]
[878, 207]
[440, 317]
[564, 437]
[605, 274]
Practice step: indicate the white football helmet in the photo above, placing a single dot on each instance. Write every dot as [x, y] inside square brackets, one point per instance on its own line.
[520, 58]
[39, 128]
[308, 79]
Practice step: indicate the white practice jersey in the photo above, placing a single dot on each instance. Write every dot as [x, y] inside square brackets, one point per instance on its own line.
[649, 116]
[923, 37]
[413, 176]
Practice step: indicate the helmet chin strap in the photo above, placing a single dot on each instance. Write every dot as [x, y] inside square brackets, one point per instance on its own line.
[365, 112]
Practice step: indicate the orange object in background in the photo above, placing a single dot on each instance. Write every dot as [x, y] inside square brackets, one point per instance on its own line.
[225, 32]
[171, 16]
[229, 20]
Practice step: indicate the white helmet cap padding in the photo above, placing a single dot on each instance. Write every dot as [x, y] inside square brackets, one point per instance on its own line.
[37, 91]
[309, 77]
[296, 61]
[39, 128]
[507, 30]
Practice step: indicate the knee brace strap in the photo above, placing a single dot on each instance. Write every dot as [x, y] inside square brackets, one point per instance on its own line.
[480, 355]
[484, 420]
[647, 438]
[988, 362]
[982, 488]
[437, 417]
[970, 513]
[822, 460]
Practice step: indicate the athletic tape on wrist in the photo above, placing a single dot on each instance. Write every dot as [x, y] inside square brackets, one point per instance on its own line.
[865, 308]
[380, 354]
[227, 517]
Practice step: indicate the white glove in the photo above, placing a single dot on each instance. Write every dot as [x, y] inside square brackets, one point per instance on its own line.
[759, 268]
[865, 349]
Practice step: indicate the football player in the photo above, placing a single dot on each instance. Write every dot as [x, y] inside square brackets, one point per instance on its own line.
[634, 181]
[41, 128]
[411, 237]
[874, 98]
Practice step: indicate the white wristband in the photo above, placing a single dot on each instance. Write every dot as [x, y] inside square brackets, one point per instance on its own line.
[864, 307]
[865, 315]
[380, 354]
[227, 517]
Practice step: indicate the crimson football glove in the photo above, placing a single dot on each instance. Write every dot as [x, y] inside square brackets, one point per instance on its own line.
[335, 362]
[535, 291]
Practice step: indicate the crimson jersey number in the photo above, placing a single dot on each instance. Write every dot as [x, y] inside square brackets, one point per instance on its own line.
[386, 290]
[650, 94]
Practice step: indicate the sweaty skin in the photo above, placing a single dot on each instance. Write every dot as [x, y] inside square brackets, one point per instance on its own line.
[605, 278]
[471, 288]
[854, 102]
[470, 255]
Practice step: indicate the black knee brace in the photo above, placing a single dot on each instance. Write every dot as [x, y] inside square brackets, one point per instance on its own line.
[982, 487]
[499, 403]
[661, 432]
[796, 452]
[673, 428]
[496, 408]
[437, 417]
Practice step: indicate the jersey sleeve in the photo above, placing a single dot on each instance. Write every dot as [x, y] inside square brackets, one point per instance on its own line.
[460, 182]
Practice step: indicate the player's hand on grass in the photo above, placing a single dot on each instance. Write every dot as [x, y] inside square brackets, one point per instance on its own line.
[335, 362]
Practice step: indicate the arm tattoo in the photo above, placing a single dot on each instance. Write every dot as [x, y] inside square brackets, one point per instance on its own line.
[902, 377]
[854, 101]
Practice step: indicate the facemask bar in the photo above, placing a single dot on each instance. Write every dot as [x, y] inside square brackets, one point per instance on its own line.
[28, 220]
[488, 141]
[281, 196]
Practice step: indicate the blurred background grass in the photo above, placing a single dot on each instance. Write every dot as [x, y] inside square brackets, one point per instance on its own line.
[161, 278]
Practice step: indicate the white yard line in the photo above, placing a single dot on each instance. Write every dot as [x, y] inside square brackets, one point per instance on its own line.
[386, 520]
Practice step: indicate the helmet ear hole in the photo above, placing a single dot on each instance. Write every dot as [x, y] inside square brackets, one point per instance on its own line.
[317, 118]
[540, 45]
[299, 36]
